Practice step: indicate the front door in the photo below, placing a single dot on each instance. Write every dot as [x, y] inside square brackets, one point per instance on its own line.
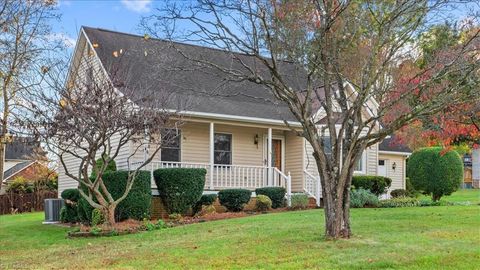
[382, 167]
[277, 153]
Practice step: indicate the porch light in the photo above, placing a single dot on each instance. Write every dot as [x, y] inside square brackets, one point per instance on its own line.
[394, 166]
[255, 139]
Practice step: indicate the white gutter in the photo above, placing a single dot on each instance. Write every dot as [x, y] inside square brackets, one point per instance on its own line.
[238, 118]
[395, 153]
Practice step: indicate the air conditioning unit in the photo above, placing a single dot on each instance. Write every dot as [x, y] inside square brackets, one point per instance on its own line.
[52, 210]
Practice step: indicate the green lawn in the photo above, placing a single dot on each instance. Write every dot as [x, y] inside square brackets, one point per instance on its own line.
[443, 237]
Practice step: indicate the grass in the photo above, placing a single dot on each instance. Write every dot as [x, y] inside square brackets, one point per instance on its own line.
[444, 237]
[463, 195]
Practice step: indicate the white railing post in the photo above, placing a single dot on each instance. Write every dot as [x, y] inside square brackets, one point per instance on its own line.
[151, 173]
[317, 193]
[212, 149]
[269, 157]
[289, 190]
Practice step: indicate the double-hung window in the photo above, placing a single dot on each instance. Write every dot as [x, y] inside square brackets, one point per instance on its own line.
[223, 149]
[171, 145]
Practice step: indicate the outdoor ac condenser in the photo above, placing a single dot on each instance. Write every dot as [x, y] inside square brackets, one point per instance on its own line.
[52, 210]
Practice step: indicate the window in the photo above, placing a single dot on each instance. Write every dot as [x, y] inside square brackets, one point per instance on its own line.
[171, 145]
[327, 146]
[360, 165]
[223, 148]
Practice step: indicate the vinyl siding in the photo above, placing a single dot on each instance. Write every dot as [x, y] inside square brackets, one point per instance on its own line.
[294, 159]
[397, 175]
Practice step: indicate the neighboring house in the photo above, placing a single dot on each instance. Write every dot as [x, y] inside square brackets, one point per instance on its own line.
[476, 168]
[392, 162]
[21, 159]
[241, 139]
[467, 171]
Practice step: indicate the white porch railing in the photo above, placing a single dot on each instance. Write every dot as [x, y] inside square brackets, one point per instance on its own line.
[312, 186]
[228, 176]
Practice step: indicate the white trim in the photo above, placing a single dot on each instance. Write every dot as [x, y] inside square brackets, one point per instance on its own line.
[364, 163]
[394, 153]
[237, 118]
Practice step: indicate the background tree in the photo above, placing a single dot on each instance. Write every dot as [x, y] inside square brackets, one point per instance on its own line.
[25, 41]
[345, 54]
[457, 124]
[90, 116]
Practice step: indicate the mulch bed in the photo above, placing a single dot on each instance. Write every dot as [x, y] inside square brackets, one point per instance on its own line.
[133, 226]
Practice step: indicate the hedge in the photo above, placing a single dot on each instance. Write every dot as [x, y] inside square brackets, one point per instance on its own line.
[69, 212]
[180, 188]
[378, 185]
[137, 203]
[234, 199]
[435, 171]
[398, 193]
[111, 167]
[263, 203]
[276, 194]
[205, 200]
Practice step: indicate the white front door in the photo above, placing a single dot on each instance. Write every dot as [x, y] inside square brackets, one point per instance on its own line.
[382, 167]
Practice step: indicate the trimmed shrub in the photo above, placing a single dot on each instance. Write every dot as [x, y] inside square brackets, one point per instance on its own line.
[397, 193]
[180, 188]
[234, 199]
[361, 197]
[435, 172]
[97, 217]
[378, 185]
[71, 194]
[263, 203]
[69, 212]
[137, 203]
[111, 167]
[276, 194]
[299, 201]
[399, 202]
[205, 200]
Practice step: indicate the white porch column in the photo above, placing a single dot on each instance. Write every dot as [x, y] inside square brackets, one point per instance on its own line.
[269, 157]
[317, 191]
[212, 148]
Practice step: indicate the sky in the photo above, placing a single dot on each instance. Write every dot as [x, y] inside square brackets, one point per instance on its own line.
[119, 15]
[125, 15]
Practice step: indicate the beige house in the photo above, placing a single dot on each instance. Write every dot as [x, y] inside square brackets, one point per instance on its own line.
[243, 142]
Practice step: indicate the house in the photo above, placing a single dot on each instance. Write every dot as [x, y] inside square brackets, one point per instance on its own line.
[392, 162]
[22, 159]
[237, 131]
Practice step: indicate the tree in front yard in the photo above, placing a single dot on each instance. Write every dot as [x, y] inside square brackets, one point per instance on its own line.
[435, 172]
[92, 118]
[333, 62]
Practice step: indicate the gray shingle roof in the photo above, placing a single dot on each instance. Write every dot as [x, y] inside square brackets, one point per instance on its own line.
[16, 168]
[21, 148]
[190, 85]
[389, 144]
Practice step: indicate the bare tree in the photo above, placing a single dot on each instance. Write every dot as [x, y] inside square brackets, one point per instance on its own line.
[25, 39]
[97, 113]
[346, 53]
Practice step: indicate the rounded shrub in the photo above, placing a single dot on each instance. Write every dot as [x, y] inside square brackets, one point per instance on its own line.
[70, 209]
[276, 194]
[180, 188]
[205, 200]
[234, 199]
[97, 217]
[435, 171]
[361, 197]
[263, 203]
[397, 193]
[378, 185]
[299, 201]
[137, 203]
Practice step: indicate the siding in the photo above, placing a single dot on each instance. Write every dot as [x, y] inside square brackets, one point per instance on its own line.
[294, 148]
[397, 175]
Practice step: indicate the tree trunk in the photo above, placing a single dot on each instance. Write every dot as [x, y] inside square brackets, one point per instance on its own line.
[337, 216]
[109, 215]
[2, 156]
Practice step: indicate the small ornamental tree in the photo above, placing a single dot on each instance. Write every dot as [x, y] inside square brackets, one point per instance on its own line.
[434, 172]
[119, 111]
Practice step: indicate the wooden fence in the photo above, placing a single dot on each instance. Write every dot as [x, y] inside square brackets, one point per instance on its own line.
[11, 203]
